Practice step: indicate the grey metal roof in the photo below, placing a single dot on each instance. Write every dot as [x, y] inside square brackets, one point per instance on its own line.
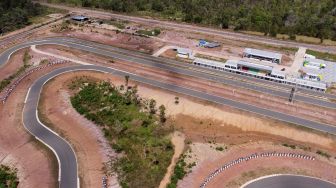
[328, 73]
[257, 66]
[278, 73]
[212, 45]
[263, 53]
[231, 63]
[185, 51]
[79, 17]
[209, 62]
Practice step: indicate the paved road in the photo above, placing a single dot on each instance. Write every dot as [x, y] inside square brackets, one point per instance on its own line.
[177, 67]
[193, 28]
[290, 181]
[63, 151]
[8, 39]
[66, 157]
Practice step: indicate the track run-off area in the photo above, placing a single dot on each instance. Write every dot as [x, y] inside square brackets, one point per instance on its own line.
[68, 174]
[288, 181]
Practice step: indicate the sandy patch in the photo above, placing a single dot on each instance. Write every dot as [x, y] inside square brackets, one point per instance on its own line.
[178, 142]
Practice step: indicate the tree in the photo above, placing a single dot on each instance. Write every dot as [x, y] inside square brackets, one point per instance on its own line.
[126, 80]
[162, 115]
[152, 104]
[177, 100]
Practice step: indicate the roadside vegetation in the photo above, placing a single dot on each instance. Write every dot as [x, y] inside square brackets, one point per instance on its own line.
[16, 14]
[8, 177]
[322, 55]
[117, 23]
[5, 82]
[289, 146]
[182, 168]
[43, 15]
[135, 128]
[179, 172]
[291, 17]
[154, 32]
[324, 154]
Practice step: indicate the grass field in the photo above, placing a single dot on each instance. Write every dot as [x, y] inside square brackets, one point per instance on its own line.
[132, 127]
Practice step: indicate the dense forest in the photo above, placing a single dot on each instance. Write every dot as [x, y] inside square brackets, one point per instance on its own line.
[15, 14]
[316, 18]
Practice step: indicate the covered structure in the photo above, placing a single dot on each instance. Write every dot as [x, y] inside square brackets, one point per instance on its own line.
[206, 44]
[184, 53]
[80, 18]
[262, 55]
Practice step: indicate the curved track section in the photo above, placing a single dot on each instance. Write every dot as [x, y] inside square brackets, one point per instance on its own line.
[68, 177]
[289, 181]
[63, 151]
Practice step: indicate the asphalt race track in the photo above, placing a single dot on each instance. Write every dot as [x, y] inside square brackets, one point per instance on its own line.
[177, 67]
[63, 151]
[65, 154]
[289, 181]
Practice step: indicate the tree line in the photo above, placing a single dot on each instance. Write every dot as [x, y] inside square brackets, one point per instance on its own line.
[15, 14]
[293, 17]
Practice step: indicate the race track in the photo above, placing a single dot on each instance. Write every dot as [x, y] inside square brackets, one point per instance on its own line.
[64, 152]
[289, 181]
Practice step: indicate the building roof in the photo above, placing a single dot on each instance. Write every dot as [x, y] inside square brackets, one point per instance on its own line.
[212, 44]
[209, 62]
[263, 53]
[231, 63]
[328, 73]
[184, 51]
[79, 17]
[278, 73]
[256, 66]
